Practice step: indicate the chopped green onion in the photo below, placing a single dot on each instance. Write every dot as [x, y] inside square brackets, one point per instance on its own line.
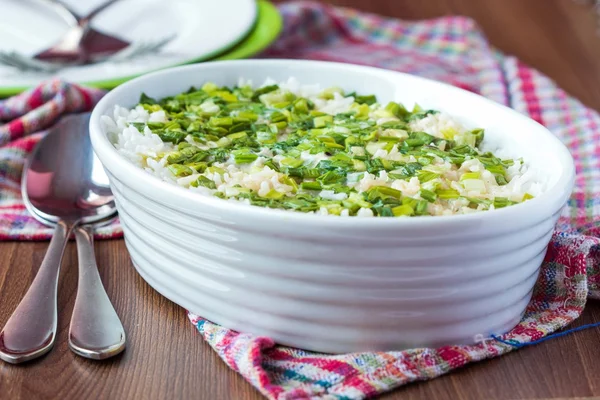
[209, 87]
[273, 194]
[243, 156]
[478, 201]
[320, 122]
[427, 195]
[198, 166]
[371, 99]
[291, 162]
[426, 176]
[447, 194]
[222, 121]
[204, 181]
[470, 175]
[145, 99]
[330, 177]
[382, 192]
[180, 170]
[404, 210]
[359, 165]
[421, 207]
[187, 155]
[478, 134]
[223, 142]
[386, 211]
[172, 136]
[396, 109]
[496, 169]
[311, 185]
[501, 180]
[264, 90]
[500, 202]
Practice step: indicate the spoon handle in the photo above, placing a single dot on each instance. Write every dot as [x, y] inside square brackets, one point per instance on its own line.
[31, 329]
[96, 331]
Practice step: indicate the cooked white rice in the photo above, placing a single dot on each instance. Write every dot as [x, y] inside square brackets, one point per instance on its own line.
[147, 151]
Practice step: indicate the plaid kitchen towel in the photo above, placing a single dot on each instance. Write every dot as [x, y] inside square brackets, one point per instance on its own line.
[26, 116]
[450, 49]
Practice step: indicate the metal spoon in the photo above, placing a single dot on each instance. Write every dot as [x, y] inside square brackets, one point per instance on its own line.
[95, 331]
[65, 185]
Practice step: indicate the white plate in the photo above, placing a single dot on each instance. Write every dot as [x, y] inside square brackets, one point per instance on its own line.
[203, 28]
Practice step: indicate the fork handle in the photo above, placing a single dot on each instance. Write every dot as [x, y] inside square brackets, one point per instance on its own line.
[31, 329]
[96, 331]
[71, 17]
[63, 10]
[96, 11]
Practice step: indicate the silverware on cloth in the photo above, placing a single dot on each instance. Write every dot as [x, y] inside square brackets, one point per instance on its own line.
[64, 185]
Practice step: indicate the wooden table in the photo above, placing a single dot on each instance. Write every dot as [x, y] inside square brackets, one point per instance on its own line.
[166, 357]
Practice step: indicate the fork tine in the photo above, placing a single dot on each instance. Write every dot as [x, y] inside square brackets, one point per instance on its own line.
[10, 61]
[6, 58]
[24, 63]
[3, 59]
[139, 48]
[129, 52]
[154, 44]
[37, 64]
[16, 61]
[162, 42]
[124, 54]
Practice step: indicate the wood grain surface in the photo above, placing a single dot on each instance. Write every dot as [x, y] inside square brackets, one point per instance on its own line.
[166, 358]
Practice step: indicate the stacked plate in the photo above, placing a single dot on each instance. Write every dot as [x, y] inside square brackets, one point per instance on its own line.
[202, 29]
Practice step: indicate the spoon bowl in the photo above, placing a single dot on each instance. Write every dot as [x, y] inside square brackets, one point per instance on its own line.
[64, 179]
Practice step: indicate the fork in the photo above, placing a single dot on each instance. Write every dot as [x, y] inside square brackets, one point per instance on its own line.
[25, 63]
[72, 49]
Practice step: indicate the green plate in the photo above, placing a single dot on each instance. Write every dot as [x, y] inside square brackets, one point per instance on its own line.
[266, 29]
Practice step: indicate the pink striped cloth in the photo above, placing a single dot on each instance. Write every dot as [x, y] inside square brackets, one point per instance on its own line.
[26, 117]
[450, 49]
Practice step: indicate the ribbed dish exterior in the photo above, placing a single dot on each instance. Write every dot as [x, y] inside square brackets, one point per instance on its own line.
[393, 291]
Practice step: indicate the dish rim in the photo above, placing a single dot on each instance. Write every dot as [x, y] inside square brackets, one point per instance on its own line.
[562, 187]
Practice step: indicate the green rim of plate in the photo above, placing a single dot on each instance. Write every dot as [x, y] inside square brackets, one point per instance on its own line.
[265, 30]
